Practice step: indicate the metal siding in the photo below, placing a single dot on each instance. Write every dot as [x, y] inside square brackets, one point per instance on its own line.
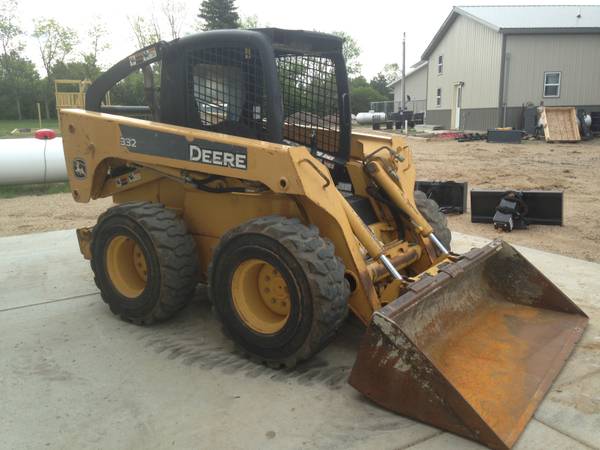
[478, 119]
[472, 54]
[438, 117]
[416, 86]
[577, 56]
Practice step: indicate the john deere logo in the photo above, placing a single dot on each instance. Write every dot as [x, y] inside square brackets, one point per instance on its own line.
[79, 168]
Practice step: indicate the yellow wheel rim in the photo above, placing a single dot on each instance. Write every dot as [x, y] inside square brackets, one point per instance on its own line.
[126, 266]
[261, 296]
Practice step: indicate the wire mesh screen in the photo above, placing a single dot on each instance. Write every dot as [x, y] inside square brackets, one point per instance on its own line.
[227, 91]
[310, 100]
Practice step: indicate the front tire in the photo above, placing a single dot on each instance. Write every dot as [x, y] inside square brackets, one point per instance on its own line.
[430, 210]
[278, 289]
[144, 261]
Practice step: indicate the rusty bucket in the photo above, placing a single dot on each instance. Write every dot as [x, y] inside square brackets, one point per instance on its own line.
[473, 349]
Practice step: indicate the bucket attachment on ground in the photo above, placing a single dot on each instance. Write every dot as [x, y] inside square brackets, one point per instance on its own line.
[473, 349]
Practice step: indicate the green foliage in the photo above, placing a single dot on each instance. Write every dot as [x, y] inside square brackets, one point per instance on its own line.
[218, 14]
[10, 32]
[18, 82]
[129, 91]
[362, 93]
[361, 98]
[146, 32]
[12, 191]
[380, 83]
[358, 82]
[78, 70]
[351, 52]
[55, 41]
[249, 22]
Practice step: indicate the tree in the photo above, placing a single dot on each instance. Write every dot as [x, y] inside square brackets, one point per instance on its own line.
[358, 82]
[351, 52]
[11, 46]
[380, 83]
[218, 14]
[361, 98]
[10, 32]
[146, 32]
[55, 43]
[76, 70]
[249, 22]
[97, 43]
[18, 80]
[176, 13]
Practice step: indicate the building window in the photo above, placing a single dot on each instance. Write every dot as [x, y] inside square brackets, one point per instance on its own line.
[440, 64]
[551, 84]
[438, 97]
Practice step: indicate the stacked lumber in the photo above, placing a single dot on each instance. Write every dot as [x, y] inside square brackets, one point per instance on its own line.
[560, 124]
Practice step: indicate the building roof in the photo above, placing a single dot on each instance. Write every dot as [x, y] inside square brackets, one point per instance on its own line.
[416, 67]
[525, 19]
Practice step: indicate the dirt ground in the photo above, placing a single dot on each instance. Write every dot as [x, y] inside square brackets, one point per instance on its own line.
[532, 165]
[572, 168]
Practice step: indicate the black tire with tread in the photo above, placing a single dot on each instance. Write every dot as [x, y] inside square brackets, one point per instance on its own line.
[170, 252]
[438, 221]
[316, 271]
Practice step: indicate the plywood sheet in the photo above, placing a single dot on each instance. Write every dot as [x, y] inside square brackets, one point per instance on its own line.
[560, 124]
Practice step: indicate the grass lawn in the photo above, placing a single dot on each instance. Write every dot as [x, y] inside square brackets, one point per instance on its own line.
[6, 126]
[11, 191]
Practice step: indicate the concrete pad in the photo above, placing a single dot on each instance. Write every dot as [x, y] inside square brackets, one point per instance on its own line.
[74, 376]
[42, 267]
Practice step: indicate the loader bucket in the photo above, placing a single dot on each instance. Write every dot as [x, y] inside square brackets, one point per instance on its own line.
[473, 349]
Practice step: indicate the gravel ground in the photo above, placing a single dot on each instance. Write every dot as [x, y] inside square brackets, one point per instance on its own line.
[572, 168]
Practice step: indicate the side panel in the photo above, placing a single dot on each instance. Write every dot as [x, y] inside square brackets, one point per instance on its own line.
[416, 89]
[95, 140]
[576, 56]
[471, 54]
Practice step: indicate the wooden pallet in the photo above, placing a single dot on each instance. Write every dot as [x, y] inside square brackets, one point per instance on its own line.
[560, 124]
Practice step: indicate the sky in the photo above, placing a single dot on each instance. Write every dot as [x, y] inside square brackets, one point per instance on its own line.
[377, 26]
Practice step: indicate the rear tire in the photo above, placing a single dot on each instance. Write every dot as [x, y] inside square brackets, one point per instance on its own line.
[144, 261]
[438, 221]
[278, 289]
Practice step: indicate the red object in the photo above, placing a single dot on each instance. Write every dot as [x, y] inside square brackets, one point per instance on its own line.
[45, 133]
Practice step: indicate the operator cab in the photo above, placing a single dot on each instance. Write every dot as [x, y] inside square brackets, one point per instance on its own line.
[275, 85]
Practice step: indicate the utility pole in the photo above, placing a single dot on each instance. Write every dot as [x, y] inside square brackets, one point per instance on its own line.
[403, 71]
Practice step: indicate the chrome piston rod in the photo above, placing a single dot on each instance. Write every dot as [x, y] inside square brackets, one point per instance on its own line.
[438, 244]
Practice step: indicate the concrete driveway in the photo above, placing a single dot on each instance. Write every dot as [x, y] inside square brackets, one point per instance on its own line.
[74, 376]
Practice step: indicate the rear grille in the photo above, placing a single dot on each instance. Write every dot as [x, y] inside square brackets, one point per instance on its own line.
[310, 100]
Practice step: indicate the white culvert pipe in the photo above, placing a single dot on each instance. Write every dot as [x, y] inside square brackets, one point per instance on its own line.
[31, 161]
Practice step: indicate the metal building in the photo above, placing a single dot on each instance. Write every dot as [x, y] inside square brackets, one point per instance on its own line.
[487, 63]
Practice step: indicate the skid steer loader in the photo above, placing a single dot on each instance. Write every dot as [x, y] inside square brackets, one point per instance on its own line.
[238, 168]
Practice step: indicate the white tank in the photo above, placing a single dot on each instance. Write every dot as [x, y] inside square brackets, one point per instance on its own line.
[29, 161]
[369, 118]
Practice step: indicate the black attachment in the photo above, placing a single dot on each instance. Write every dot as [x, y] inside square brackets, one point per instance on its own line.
[510, 213]
[595, 128]
[543, 207]
[449, 195]
[505, 136]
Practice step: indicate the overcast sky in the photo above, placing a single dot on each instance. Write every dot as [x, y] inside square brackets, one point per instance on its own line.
[377, 25]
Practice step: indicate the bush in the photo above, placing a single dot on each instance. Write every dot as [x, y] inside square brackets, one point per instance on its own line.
[361, 98]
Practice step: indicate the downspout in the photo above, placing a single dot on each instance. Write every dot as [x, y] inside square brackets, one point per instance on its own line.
[501, 103]
[426, 92]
